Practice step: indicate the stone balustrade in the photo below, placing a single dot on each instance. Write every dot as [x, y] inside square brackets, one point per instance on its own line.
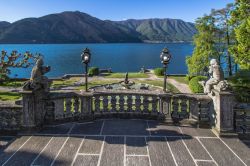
[242, 119]
[39, 108]
[76, 106]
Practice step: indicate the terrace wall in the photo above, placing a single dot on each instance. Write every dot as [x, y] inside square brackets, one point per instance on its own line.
[10, 117]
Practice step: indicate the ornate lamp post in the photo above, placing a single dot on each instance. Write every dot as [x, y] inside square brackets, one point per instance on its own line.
[86, 55]
[165, 58]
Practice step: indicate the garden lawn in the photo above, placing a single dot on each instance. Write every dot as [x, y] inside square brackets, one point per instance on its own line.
[12, 83]
[9, 96]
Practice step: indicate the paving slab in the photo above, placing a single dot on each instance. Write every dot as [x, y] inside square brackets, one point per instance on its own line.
[4, 142]
[123, 141]
[68, 151]
[29, 151]
[196, 149]
[206, 163]
[219, 151]
[92, 145]
[89, 128]
[58, 129]
[113, 151]
[125, 127]
[240, 147]
[7, 152]
[51, 150]
[159, 152]
[137, 161]
[194, 132]
[136, 146]
[180, 152]
[160, 129]
[86, 160]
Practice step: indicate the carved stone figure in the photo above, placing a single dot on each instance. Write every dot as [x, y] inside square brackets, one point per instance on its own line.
[37, 80]
[126, 79]
[216, 79]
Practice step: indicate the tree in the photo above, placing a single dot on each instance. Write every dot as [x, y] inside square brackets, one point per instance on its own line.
[225, 32]
[205, 45]
[240, 19]
[14, 60]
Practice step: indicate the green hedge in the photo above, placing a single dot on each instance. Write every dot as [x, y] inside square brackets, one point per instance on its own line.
[194, 84]
[93, 71]
[159, 71]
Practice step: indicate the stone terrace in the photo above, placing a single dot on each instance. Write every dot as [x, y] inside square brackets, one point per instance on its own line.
[123, 142]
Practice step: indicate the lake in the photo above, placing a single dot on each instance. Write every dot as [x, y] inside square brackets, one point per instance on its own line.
[66, 59]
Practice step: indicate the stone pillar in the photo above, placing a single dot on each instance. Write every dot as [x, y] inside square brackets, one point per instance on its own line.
[28, 109]
[223, 106]
[34, 108]
[86, 103]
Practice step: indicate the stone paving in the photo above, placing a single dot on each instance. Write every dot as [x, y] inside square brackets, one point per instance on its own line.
[123, 142]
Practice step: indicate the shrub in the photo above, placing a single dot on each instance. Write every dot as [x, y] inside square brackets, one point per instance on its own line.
[159, 71]
[242, 78]
[189, 77]
[241, 85]
[93, 71]
[194, 84]
[3, 78]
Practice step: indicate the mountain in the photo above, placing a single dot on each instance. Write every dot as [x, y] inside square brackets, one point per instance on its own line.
[3, 25]
[78, 27]
[66, 27]
[158, 30]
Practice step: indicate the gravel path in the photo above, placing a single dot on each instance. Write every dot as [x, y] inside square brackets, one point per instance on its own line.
[183, 88]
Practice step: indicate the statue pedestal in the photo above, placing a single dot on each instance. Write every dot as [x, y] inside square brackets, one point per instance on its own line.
[33, 108]
[223, 106]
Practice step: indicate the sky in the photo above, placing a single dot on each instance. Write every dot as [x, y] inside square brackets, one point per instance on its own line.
[187, 10]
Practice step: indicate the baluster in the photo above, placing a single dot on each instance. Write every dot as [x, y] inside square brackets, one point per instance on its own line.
[175, 108]
[113, 103]
[105, 102]
[121, 103]
[97, 104]
[184, 108]
[194, 109]
[164, 106]
[138, 103]
[129, 103]
[154, 104]
[68, 107]
[145, 104]
[76, 106]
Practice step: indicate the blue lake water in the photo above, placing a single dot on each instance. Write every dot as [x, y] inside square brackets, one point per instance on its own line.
[65, 58]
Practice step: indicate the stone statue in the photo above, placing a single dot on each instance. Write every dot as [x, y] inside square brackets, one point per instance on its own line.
[216, 80]
[37, 80]
[126, 79]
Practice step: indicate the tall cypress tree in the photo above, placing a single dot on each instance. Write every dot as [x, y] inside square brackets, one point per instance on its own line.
[222, 17]
[205, 45]
[240, 19]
